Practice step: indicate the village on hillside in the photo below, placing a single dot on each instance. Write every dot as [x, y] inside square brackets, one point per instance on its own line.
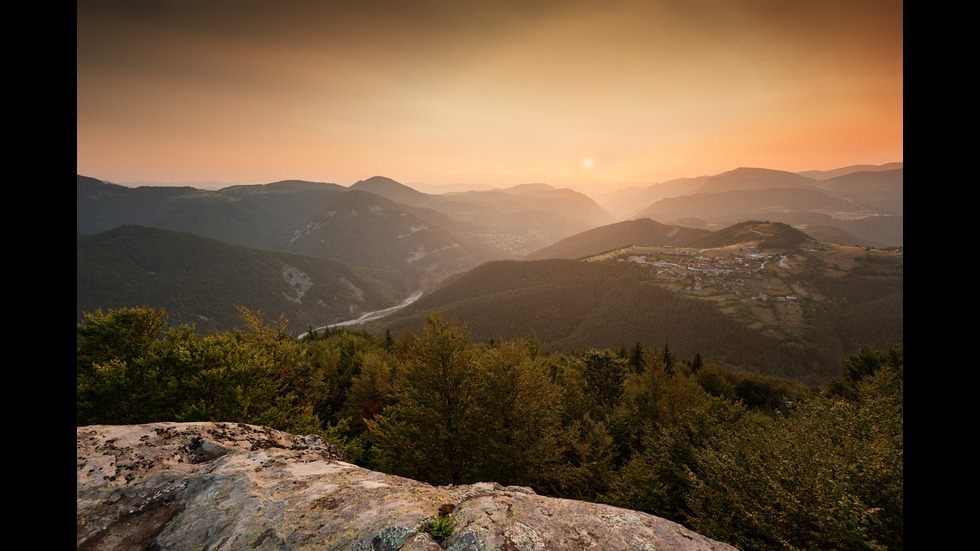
[712, 272]
[765, 289]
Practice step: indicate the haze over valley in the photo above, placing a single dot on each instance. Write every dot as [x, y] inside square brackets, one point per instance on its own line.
[322, 254]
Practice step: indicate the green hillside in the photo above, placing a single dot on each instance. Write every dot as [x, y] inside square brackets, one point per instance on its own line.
[791, 311]
[642, 231]
[376, 223]
[367, 230]
[752, 233]
[202, 281]
[755, 296]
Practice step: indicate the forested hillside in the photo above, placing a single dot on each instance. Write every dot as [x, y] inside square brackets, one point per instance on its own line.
[377, 223]
[574, 305]
[203, 282]
[762, 463]
[792, 311]
[695, 297]
[643, 231]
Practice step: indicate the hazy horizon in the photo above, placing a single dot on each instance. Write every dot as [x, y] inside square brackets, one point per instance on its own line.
[442, 188]
[588, 96]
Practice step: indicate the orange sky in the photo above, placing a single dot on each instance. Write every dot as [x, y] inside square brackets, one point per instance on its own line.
[491, 92]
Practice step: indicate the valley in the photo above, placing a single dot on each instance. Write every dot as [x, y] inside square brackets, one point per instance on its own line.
[745, 267]
[368, 316]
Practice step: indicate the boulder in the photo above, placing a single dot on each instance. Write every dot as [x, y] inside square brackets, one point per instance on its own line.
[230, 486]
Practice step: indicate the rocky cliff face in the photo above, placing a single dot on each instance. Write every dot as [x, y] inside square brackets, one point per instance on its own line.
[228, 486]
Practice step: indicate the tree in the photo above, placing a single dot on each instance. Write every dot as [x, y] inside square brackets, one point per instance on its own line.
[389, 341]
[865, 363]
[122, 335]
[669, 360]
[113, 384]
[829, 475]
[127, 375]
[520, 417]
[697, 363]
[219, 378]
[605, 377]
[657, 478]
[271, 337]
[432, 432]
[587, 455]
[372, 390]
[636, 358]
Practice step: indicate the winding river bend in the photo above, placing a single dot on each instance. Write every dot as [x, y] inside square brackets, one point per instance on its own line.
[368, 316]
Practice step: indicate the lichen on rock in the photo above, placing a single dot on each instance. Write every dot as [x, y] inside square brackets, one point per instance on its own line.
[230, 486]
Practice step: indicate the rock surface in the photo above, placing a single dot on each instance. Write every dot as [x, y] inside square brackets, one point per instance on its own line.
[229, 486]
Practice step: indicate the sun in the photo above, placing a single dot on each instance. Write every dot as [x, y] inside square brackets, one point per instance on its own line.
[587, 162]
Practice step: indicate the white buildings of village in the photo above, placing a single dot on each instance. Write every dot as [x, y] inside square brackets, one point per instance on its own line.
[733, 270]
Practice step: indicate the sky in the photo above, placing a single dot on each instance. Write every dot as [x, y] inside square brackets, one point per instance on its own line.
[589, 94]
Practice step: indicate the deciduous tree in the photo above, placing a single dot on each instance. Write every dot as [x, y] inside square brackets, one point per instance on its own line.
[433, 432]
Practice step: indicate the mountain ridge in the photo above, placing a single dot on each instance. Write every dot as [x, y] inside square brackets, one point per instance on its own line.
[638, 231]
[708, 296]
[201, 281]
[440, 238]
[491, 224]
[753, 178]
[859, 183]
[824, 174]
[866, 205]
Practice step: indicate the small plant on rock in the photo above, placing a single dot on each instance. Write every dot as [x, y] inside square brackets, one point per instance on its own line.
[442, 525]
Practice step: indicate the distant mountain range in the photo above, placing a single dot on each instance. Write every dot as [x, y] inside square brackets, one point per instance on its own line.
[376, 223]
[859, 205]
[356, 249]
[321, 253]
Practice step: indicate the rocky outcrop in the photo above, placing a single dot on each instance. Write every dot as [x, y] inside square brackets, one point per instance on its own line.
[229, 486]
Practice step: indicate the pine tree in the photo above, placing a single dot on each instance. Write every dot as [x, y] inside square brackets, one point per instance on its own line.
[696, 363]
[636, 358]
[669, 360]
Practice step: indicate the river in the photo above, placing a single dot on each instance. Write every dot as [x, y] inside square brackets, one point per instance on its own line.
[368, 316]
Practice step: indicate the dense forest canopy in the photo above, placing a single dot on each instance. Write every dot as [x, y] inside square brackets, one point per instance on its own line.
[770, 307]
[759, 462]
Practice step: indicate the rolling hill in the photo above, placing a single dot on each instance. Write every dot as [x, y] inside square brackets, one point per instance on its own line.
[826, 301]
[203, 281]
[376, 223]
[504, 261]
[627, 202]
[516, 220]
[858, 205]
[365, 229]
[753, 178]
[642, 231]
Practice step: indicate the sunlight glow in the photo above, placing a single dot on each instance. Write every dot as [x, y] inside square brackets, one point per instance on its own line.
[195, 93]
